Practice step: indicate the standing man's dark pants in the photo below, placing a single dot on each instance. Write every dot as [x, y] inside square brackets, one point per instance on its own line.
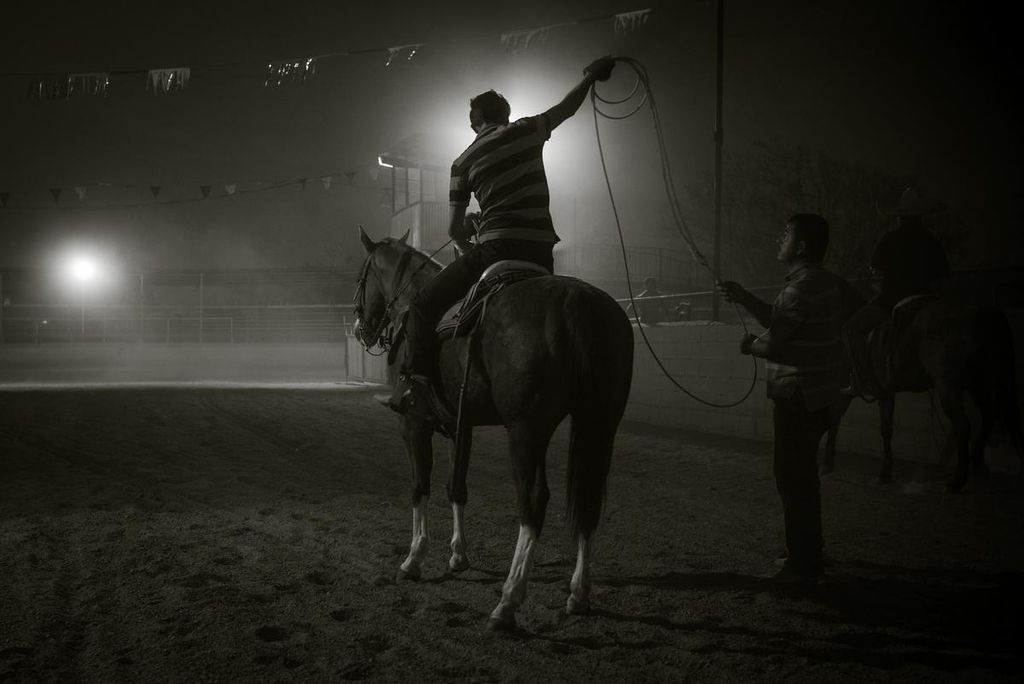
[797, 433]
[451, 285]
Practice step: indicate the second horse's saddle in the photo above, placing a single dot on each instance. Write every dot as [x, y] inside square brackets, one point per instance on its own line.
[883, 341]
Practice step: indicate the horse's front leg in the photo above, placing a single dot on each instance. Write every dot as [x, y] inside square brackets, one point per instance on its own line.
[417, 437]
[886, 409]
[457, 496]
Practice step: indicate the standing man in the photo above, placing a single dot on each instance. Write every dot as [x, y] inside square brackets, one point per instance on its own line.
[911, 262]
[805, 361]
[504, 169]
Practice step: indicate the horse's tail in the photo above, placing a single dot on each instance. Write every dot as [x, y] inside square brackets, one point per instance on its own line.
[601, 340]
[1001, 372]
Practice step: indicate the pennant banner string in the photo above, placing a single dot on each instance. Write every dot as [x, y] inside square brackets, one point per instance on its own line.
[399, 49]
[294, 70]
[630, 21]
[515, 41]
[297, 71]
[168, 80]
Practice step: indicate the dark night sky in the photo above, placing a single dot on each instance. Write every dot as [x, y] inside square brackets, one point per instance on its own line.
[922, 91]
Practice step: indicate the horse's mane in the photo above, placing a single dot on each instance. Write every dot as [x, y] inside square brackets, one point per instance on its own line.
[418, 257]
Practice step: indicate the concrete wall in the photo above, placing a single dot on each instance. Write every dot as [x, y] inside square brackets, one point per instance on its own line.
[704, 358]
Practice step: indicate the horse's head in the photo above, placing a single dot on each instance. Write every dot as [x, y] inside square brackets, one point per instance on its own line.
[376, 288]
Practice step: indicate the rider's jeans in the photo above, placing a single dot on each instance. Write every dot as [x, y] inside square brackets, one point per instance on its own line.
[451, 285]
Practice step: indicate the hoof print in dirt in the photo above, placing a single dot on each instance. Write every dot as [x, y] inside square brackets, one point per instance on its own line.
[271, 633]
[356, 671]
[383, 580]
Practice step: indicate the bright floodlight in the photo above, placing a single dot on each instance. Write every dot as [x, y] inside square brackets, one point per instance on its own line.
[83, 269]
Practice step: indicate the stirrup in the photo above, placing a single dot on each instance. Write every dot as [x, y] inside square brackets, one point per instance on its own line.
[401, 392]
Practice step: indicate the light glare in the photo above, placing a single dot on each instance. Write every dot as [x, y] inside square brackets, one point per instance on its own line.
[83, 269]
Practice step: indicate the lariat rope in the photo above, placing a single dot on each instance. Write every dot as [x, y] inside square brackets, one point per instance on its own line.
[647, 97]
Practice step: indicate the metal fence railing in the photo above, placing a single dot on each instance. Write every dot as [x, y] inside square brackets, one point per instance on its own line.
[38, 324]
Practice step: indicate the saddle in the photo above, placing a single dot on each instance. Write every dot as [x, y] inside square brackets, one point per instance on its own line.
[883, 340]
[461, 319]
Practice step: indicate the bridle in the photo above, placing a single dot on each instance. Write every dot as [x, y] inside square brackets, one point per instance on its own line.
[383, 333]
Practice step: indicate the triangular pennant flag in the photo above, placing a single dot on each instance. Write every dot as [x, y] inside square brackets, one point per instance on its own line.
[350, 176]
[88, 84]
[326, 180]
[155, 189]
[166, 80]
[56, 194]
[46, 88]
[205, 189]
[514, 41]
[629, 21]
[3, 199]
[296, 71]
[80, 191]
[393, 52]
[302, 182]
[374, 171]
[230, 189]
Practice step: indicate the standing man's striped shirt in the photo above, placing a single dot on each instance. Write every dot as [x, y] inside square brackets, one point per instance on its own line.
[504, 168]
[803, 338]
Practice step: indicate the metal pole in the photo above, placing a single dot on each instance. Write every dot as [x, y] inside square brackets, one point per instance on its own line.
[200, 307]
[719, 137]
[3, 309]
[142, 300]
[83, 315]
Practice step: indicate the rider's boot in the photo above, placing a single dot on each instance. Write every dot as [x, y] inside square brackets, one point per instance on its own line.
[412, 395]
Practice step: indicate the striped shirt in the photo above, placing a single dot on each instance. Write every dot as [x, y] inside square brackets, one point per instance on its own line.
[804, 346]
[504, 168]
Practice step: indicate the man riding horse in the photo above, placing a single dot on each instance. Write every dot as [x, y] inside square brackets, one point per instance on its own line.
[504, 169]
[912, 262]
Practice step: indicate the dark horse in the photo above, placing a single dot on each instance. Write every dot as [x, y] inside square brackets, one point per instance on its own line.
[547, 347]
[956, 350]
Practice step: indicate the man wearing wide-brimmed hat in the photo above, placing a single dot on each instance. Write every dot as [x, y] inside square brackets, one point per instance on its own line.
[911, 262]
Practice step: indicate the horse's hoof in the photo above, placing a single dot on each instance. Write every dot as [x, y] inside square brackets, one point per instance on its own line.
[458, 564]
[411, 575]
[577, 606]
[501, 625]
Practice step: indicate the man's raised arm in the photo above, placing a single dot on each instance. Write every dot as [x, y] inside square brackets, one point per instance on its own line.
[598, 70]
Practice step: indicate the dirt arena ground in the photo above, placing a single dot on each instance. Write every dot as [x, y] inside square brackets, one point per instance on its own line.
[207, 535]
